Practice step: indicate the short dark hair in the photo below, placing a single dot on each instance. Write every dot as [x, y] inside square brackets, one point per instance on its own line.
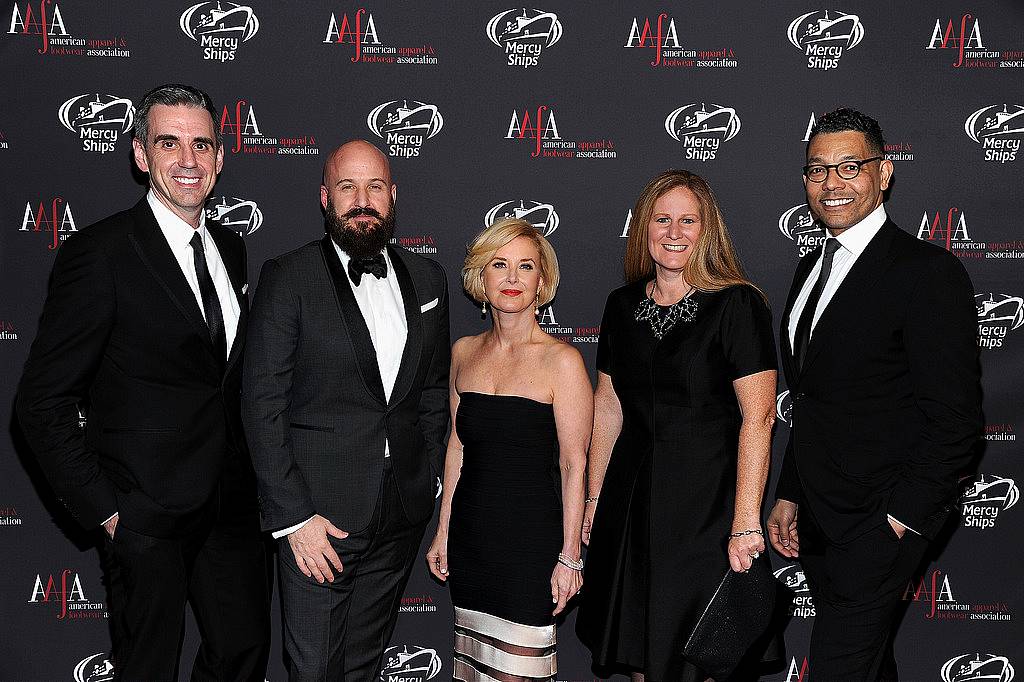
[844, 119]
[172, 94]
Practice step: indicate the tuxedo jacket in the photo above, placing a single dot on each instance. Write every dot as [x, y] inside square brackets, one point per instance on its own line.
[314, 407]
[887, 408]
[122, 337]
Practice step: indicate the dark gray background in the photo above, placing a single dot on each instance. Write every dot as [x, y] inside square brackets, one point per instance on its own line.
[298, 85]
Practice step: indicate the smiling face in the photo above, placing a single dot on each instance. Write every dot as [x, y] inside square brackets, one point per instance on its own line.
[674, 228]
[182, 158]
[358, 198]
[840, 204]
[512, 277]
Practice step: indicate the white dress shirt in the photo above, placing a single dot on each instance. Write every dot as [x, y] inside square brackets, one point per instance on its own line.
[852, 243]
[380, 302]
[179, 234]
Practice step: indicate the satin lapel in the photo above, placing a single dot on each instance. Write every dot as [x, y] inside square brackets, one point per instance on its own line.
[231, 255]
[803, 269]
[414, 340]
[358, 333]
[850, 295]
[148, 241]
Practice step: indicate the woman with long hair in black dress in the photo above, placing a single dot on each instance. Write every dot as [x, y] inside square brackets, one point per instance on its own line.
[684, 407]
[508, 536]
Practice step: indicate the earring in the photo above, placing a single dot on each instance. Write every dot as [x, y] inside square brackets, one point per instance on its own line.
[483, 308]
[536, 306]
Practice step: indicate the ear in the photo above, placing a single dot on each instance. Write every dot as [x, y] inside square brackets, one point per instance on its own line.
[323, 196]
[886, 169]
[394, 192]
[140, 156]
[220, 158]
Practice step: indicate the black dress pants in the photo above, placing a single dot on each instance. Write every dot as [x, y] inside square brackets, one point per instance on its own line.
[337, 632]
[220, 571]
[856, 586]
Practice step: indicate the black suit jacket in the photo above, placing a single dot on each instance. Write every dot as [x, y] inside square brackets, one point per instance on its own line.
[314, 407]
[887, 409]
[122, 336]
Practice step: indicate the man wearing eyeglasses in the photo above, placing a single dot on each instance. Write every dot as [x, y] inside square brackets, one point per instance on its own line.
[880, 356]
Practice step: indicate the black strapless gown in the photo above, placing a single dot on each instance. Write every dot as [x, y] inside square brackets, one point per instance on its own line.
[505, 532]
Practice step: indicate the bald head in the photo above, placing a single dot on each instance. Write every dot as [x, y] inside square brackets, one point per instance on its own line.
[352, 155]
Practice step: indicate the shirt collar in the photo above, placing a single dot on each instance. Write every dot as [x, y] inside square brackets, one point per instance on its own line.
[345, 258]
[176, 231]
[856, 238]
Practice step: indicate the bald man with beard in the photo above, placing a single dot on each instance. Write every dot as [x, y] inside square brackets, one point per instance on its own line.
[345, 406]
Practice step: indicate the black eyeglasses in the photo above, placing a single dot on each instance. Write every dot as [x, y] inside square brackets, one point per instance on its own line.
[847, 170]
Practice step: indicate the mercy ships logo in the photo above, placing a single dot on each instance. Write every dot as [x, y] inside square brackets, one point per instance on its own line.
[823, 37]
[219, 28]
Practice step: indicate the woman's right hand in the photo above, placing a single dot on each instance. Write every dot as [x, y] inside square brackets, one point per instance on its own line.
[437, 557]
[588, 520]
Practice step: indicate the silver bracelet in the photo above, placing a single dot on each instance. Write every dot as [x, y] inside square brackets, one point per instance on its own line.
[590, 499]
[743, 533]
[569, 562]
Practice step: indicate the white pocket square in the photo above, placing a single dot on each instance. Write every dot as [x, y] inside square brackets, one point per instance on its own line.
[427, 306]
[245, 289]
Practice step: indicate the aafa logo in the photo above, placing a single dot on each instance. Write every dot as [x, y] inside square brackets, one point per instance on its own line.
[977, 666]
[240, 215]
[998, 129]
[702, 131]
[54, 218]
[933, 590]
[823, 37]
[998, 315]
[541, 127]
[67, 589]
[410, 664]
[659, 36]
[985, 497]
[353, 32]
[944, 230]
[797, 673]
[95, 668]
[542, 216]
[38, 23]
[524, 35]
[219, 28]
[945, 40]
[98, 120]
[784, 411]
[404, 125]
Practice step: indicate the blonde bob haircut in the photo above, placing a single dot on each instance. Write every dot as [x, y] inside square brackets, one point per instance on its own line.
[480, 253]
[713, 265]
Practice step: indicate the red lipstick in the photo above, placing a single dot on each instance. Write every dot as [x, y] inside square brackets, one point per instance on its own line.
[511, 292]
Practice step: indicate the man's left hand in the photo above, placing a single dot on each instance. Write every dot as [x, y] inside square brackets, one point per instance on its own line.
[898, 528]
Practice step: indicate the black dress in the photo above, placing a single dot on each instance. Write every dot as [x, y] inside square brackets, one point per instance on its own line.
[504, 535]
[659, 540]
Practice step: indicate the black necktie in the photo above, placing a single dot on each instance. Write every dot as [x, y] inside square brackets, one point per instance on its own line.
[803, 326]
[372, 265]
[211, 304]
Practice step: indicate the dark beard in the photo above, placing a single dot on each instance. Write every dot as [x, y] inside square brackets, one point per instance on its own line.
[354, 240]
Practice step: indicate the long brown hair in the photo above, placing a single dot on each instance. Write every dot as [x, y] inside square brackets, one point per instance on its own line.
[713, 265]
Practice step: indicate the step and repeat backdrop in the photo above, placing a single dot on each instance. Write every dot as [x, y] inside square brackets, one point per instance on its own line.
[558, 114]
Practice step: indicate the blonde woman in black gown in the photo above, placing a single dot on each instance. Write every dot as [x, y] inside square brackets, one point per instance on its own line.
[508, 537]
[684, 409]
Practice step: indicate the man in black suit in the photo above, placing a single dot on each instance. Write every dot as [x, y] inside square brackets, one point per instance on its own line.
[345, 408]
[880, 354]
[144, 328]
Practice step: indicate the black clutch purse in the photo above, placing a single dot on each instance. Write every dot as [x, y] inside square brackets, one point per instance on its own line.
[735, 620]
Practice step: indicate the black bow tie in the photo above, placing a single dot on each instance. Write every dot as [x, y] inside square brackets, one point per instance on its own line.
[371, 265]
